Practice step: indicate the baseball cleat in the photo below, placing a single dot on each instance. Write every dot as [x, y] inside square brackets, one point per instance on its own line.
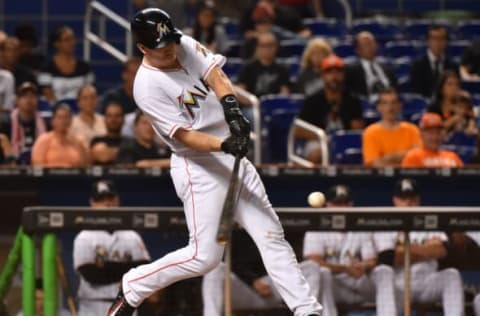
[120, 307]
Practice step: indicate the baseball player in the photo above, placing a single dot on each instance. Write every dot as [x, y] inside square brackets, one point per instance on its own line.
[101, 257]
[349, 270]
[191, 105]
[427, 283]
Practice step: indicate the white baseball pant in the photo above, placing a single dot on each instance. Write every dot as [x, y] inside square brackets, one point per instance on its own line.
[476, 305]
[245, 295]
[201, 183]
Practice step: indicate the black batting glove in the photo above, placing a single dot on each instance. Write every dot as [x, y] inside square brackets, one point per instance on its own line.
[235, 145]
[237, 122]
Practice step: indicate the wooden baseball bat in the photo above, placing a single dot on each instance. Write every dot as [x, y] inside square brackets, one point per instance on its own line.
[228, 281]
[226, 219]
[66, 288]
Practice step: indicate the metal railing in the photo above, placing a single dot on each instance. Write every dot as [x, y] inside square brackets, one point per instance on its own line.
[322, 138]
[100, 38]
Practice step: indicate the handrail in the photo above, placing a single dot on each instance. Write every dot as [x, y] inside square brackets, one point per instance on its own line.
[100, 40]
[256, 135]
[348, 12]
[322, 137]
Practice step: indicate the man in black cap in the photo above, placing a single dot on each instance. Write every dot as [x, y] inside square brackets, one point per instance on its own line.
[428, 284]
[348, 261]
[102, 257]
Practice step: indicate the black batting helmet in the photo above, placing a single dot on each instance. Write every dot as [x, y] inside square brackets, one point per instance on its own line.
[153, 28]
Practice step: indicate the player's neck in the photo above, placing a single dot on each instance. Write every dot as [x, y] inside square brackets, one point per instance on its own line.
[161, 65]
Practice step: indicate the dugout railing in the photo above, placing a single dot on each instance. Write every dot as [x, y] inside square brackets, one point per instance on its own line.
[46, 221]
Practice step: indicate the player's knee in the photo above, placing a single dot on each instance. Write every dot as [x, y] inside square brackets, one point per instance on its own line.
[208, 262]
[325, 275]
[383, 270]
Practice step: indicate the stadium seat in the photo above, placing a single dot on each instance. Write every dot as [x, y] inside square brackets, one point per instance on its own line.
[346, 147]
[326, 27]
[471, 86]
[384, 30]
[469, 30]
[278, 113]
[231, 27]
[292, 64]
[416, 29]
[455, 49]
[291, 48]
[412, 105]
[233, 66]
[403, 85]
[234, 48]
[344, 49]
[401, 66]
[369, 111]
[398, 49]
[464, 145]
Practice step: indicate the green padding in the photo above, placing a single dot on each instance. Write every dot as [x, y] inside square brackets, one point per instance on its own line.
[28, 269]
[11, 265]
[49, 272]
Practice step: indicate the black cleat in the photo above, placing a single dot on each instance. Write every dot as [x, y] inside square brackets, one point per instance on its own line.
[120, 307]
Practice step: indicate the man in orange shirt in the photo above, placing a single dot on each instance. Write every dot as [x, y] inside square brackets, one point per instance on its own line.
[386, 142]
[430, 154]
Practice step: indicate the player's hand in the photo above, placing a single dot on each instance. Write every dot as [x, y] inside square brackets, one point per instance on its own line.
[356, 270]
[262, 288]
[237, 122]
[237, 146]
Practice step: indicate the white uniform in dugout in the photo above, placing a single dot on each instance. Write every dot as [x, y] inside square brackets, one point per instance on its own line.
[428, 284]
[346, 249]
[95, 247]
[179, 99]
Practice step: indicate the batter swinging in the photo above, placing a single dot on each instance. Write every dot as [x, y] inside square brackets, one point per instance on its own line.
[191, 105]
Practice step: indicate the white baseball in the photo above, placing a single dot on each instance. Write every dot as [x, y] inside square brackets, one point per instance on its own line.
[316, 199]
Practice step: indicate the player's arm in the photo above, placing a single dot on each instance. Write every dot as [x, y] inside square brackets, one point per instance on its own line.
[108, 272]
[335, 268]
[432, 249]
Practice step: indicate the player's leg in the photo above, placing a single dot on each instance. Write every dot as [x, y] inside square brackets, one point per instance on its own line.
[386, 299]
[213, 293]
[257, 216]
[200, 191]
[476, 305]
[444, 286]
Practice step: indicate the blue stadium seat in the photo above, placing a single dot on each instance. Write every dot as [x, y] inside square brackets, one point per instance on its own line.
[416, 29]
[401, 66]
[476, 99]
[471, 86]
[326, 27]
[278, 113]
[232, 67]
[231, 27]
[397, 49]
[291, 48]
[403, 85]
[455, 48]
[344, 49]
[346, 147]
[469, 30]
[292, 64]
[234, 48]
[464, 145]
[384, 30]
[412, 105]
[369, 111]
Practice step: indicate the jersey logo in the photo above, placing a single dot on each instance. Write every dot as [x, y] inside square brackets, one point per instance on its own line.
[202, 49]
[190, 99]
[162, 30]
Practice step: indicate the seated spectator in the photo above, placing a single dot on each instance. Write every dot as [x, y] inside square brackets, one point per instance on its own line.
[386, 142]
[6, 153]
[143, 151]
[57, 148]
[29, 54]
[263, 75]
[426, 71]
[368, 76]
[87, 123]
[7, 90]
[429, 154]
[25, 124]
[304, 8]
[207, 30]
[453, 105]
[309, 81]
[10, 61]
[332, 108]
[101, 257]
[64, 74]
[470, 63]
[104, 148]
[123, 94]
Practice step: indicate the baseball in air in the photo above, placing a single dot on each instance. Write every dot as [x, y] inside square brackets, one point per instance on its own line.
[316, 199]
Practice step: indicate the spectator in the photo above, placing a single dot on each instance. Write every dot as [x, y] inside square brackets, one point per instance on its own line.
[28, 51]
[102, 257]
[63, 75]
[143, 151]
[39, 301]
[368, 76]
[207, 30]
[304, 8]
[25, 124]
[87, 123]
[332, 108]
[264, 75]
[58, 148]
[430, 155]
[309, 81]
[386, 142]
[427, 70]
[10, 61]
[123, 94]
[454, 105]
[470, 63]
[427, 283]
[348, 262]
[104, 149]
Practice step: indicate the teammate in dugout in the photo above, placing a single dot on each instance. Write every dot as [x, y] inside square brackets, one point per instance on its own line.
[191, 105]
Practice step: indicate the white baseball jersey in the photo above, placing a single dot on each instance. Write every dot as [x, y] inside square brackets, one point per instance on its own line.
[183, 99]
[90, 246]
[7, 90]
